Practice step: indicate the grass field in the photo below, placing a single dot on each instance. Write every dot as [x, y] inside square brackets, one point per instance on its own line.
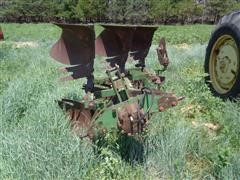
[199, 139]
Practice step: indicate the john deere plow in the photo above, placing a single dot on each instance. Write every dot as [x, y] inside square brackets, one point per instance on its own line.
[127, 98]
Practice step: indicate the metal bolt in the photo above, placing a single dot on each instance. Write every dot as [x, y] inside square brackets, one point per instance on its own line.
[131, 119]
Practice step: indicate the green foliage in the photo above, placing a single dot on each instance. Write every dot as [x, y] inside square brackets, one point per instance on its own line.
[119, 11]
[65, 8]
[161, 9]
[91, 9]
[29, 8]
[124, 11]
[187, 8]
[37, 141]
[216, 8]
[184, 34]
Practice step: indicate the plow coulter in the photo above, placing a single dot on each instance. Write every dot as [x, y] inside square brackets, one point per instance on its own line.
[127, 98]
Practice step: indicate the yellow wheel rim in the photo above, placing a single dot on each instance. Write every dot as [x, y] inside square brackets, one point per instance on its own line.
[224, 64]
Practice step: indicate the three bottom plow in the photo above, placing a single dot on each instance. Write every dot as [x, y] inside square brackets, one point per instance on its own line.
[125, 100]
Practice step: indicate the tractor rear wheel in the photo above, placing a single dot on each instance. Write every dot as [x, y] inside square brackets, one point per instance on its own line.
[222, 61]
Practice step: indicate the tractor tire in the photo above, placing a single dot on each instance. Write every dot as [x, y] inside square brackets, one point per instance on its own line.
[222, 61]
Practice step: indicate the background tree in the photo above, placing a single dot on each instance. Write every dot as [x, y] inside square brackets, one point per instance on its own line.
[122, 11]
[186, 10]
[117, 10]
[91, 10]
[137, 11]
[64, 9]
[161, 10]
[28, 9]
[214, 9]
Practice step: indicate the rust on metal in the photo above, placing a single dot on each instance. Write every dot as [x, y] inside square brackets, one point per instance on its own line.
[167, 102]
[1, 34]
[162, 53]
[118, 41]
[114, 40]
[131, 119]
[80, 117]
[76, 47]
[156, 79]
[141, 43]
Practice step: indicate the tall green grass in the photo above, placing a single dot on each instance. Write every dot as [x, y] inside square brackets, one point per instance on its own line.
[189, 34]
[37, 141]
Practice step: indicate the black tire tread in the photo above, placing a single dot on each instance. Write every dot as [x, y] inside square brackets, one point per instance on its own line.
[229, 21]
[230, 18]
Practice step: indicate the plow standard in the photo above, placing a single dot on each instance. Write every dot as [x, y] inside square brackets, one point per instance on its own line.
[127, 98]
